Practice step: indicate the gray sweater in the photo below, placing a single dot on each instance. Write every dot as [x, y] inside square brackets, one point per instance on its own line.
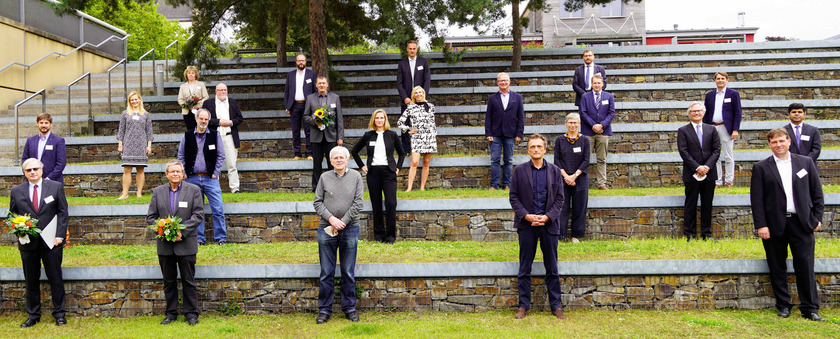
[341, 197]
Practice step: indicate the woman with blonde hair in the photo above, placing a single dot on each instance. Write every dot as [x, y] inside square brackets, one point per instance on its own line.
[382, 170]
[134, 142]
[571, 154]
[192, 91]
[423, 134]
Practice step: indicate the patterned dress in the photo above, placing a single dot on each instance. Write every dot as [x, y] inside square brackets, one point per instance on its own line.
[422, 117]
[135, 132]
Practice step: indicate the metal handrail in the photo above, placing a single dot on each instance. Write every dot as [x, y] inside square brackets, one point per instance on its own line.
[177, 44]
[90, 103]
[28, 66]
[125, 80]
[42, 92]
[154, 80]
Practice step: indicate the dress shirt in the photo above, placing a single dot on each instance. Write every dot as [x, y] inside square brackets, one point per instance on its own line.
[698, 127]
[299, 85]
[223, 112]
[322, 99]
[540, 187]
[379, 158]
[588, 76]
[40, 184]
[412, 63]
[719, 95]
[42, 143]
[786, 172]
[797, 138]
[200, 167]
[505, 98]
[597, 96]
[173, 198]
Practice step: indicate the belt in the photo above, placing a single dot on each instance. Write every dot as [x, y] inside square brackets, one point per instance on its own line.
[225, 134]
[201, 174]
[718, 123]
[300, 102]
[790, 215]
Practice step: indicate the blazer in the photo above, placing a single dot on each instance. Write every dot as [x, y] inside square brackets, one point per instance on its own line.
[810, 148]
[334, 131]
[235, 116]
[575, 157]
[192, 215]
[368, 140]
[590, 116]
[184, 92]
[501, 122]
[290, 90]
[56, 208]
[731, 109]
[579, 81]
[693, 155]
[54, 159]
[422, 77]
[768, 199]
[522, 195]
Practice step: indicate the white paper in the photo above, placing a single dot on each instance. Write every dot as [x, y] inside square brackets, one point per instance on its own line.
[576, 150]
[48, 147]
[182, 204]
[135, 117]
[48, 234]
[212, 147]
[801, 173]
[308, 81]
[330, 231]
[804, 137]
[419, 68]
[605, 102]
[332, 105]
[372, 143]
[49, 199]
[727, 100]
[699, 178]
[24, 239]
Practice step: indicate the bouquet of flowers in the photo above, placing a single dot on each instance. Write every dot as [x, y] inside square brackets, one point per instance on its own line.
[22, 226]
[323, 116]
[190, 102]
[168, 229]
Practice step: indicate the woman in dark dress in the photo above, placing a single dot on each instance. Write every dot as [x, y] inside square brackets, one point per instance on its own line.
[571, 154]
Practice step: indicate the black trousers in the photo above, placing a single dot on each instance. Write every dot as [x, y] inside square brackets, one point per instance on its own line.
[801, 243]
[320, 151]
[529, 239]
[296, 117]
[706, 190]
[32, 274]
[576, 201]
[405, 138]
[170, 265]
[381, 181]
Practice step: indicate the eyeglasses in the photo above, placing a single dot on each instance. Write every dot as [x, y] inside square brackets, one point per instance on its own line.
[696, 111]
[36, 169]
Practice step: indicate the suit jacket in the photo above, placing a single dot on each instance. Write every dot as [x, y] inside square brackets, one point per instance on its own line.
[522, 195]
[291, 86]
[54, 160]
[501, 122]
[590, 116]
[579, 81]
[235, 116]
[192, 215]
[392, 141]
[810, 148]
[693, 155]
[184, 92]
[422, 77]
[335, 130]
[56, 208]
[731, 109]
[768, 199]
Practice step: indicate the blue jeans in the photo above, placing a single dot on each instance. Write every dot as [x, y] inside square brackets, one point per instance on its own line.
[211, 189]
[346, 243]
[496, 170]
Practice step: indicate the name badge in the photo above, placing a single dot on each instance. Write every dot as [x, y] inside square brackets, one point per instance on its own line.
[727, 99]
[805, 137]
[332, 105]
[605, 102]
[48, 199]
[419, 68]
[48, 147]
[308, 81]
[212, 147]
[372, 143]
[135, 117]
[801, 173]
[576, 150]
[599, 73]
[182, 204]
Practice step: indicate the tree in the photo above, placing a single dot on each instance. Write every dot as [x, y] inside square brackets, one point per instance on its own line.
[318, 36]
[516, 60]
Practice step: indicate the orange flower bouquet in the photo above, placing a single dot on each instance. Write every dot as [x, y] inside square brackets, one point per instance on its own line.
[22, 226]
[168, 229]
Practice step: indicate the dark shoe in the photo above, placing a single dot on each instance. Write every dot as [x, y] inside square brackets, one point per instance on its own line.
[202, 243]
[168, 320]
[813, 317]
[558, 312]
[221, 243]
[520, 313]
[390, 240]
[688, 239]
[352, 316]
[60, 321]
[784, 312]
[322, 318]
[192, 320]
[29, 322]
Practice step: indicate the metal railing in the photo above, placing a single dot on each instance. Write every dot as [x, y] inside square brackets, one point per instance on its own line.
[28, 66]
[166, 55]
[43, 93]
[125, 80]
[90, 103]
[154, 80]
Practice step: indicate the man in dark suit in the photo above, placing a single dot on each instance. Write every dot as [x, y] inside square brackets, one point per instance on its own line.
[42, 200]
[226, 117]
[699, 146]
[48, 148]
[178, 199]
[582, 82]
[323, 138]
[806, 138]
[300, 83]
[724, 112]
[597, 110]
[536, 196]
[504, 126]
[787, 206]
[412, 71]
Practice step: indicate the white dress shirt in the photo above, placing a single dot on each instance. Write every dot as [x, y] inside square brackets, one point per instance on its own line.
[786, 172]
[223, 112]
[412, 63]
[40, 184]
[42, 143]
[719, 96]
[505, 99]
[379, 158]
[299, 85]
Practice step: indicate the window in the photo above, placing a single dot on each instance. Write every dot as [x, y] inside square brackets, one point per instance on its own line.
[564, 14]
[612, 9]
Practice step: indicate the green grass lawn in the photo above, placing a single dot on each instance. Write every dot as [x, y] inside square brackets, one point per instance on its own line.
[424, 252]
[493, 324]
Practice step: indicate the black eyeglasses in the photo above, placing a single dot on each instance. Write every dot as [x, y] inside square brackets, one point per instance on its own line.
[32, 169]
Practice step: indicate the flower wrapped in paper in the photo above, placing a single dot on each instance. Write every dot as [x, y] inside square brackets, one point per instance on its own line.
[22, 226]
[324, 116]
[168, 229]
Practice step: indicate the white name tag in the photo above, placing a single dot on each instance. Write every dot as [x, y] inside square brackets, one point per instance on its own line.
[308, 81]
[212, 147]
[727, 99]
[135, 117]
[801, 173]
[182, 204]
[419, 68]
[576, 150]
[48, 147]
[372, 143]
[48, 199]
[599, 73]
[605, 102]
[332, 105]
[805, 137]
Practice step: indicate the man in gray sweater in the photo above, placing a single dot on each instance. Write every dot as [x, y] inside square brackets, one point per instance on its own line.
[338, 201]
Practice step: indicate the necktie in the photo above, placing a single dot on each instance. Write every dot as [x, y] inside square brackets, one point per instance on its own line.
[699, 135]
[587, 77]
[35, 198]
[798, 135]
[598, 100]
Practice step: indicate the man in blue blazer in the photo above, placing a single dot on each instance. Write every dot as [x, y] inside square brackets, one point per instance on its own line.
[536, 196]
[504, 125]
[805, 139]
[300, 83]
[412, 71]
[597, 110]
[48, 148]
[723, 110]
[582, 82]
